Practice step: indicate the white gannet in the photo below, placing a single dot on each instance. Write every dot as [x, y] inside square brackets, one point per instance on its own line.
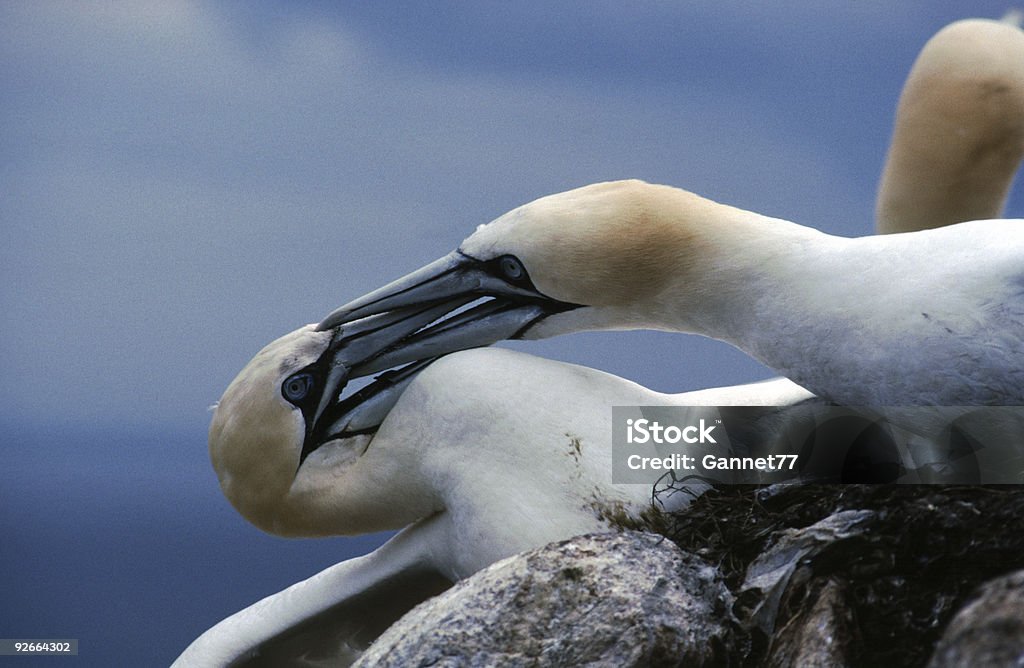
[470, 476]
[929, 317]
[959, 132]
[957, 142]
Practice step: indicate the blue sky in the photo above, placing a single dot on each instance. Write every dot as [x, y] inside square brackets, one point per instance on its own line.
[181, 182]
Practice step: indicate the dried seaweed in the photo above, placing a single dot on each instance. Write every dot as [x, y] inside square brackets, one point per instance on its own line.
[928, 547]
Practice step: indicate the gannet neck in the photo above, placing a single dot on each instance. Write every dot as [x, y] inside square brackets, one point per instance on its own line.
[858, 321]
[648, 256]
[517, 447]
[739, 261]
[347, 486]
[959, 129]
[893, 320]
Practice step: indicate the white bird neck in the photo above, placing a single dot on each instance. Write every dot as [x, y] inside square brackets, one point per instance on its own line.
[380, 490]
[860, 321]
[828, 312]
[741, 264]
[784, 294]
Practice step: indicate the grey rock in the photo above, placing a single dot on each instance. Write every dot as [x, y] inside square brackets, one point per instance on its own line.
[613, 599]
[819, 636]
[989, 630]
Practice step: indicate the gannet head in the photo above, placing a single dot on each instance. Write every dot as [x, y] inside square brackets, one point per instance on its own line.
[592, 258]
[958, 137]
[294, 460]
[601, 246]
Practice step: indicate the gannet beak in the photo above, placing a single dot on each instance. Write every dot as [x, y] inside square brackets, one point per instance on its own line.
[454, 275]
[383, 341]
[438, 289]
[361, 341]
[362, 412]
[348, 354]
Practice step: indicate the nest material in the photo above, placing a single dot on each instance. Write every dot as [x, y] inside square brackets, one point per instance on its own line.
[903, 577]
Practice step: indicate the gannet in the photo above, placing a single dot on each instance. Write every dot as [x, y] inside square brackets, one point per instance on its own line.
[929, 317]
[959, 132]
[957, 142]
[469, 475]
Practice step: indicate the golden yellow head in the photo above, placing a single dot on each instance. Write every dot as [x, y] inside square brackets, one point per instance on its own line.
[256, 436]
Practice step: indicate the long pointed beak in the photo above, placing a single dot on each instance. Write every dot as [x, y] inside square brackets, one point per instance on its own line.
[365, 410]
[411, 322]
[416, 317]
[358, 343]
[481, 325]
[454, 275]
[362, 412]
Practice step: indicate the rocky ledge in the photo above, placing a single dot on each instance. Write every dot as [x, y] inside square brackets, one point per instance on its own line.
[852, 575]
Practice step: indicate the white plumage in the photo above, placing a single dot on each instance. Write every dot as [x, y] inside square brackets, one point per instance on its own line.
[486, 454]
[929, 317]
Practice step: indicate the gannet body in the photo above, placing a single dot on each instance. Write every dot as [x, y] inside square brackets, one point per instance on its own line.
[484, 454]
[959, 132]
[929, 317]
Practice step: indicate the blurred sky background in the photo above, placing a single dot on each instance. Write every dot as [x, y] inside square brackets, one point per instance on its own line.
[182, 182]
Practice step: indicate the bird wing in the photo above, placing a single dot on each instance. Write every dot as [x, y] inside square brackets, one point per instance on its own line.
[330, 618]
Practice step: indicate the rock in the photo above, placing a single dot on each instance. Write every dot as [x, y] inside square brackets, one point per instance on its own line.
[612, 599]
[819, 636]
[989, 630]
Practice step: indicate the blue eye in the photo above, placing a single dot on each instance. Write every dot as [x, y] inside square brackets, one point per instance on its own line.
[297, 387]
[511, 267]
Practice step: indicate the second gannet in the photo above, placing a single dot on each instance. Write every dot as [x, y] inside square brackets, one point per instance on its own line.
[470, 469]
[929, 317]
[958, 139]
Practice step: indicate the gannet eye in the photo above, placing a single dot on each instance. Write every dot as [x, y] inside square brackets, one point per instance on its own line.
[511, 267]
[297, 387]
